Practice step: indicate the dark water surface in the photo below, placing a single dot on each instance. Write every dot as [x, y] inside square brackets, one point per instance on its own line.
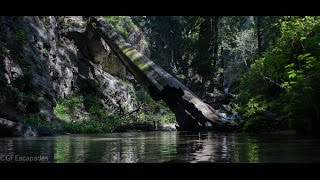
[152, 147]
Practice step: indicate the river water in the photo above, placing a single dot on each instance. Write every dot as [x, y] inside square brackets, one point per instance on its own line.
[150, 147]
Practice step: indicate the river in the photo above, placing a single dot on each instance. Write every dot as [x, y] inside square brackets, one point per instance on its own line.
[150, 147]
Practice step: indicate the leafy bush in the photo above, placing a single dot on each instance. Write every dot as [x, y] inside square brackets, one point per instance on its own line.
[64, 106]
[84, 126]
[285, 78]
[255, 105]
[154, 110]
[35, 120]
[99, 118]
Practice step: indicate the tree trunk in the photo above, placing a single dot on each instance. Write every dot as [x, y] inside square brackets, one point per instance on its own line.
[222, 66]
[259, 34]
[190, 111]
[205, 60]
[215, 40]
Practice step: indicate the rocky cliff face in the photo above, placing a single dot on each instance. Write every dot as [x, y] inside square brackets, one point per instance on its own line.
[44, 58]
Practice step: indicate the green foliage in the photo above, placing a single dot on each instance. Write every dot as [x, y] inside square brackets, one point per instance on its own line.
[245, 45]
[254, 125]
[84, 126]
[122, 24]
[169, 117]
[64, 106]
[25, 94]
[95, 108]
[255, 105]
[20, 33]
[35, 120]
[153, 110]
[130, 86]
[169, 43]
[99, 118]
[286, 76]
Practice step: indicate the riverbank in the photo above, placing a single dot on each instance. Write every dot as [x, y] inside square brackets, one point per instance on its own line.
[12, 129]
[146, 126]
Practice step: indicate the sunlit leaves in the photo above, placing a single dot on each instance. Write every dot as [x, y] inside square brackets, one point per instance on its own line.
[293, 64]
[255, 105]
[303, 56]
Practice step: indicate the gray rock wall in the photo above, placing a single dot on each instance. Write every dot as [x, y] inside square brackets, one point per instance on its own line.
[43, 58]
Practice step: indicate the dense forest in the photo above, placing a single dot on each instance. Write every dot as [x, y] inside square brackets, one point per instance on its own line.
[260, 73]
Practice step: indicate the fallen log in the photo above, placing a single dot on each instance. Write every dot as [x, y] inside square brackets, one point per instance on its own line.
[190, 111]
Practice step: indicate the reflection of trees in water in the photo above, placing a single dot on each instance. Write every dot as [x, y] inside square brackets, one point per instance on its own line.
[142, 147]
[7, 147]
[72, 149]
[164, 147]
[214, 147]
[244, 149]
[122, 148]
[62, 150]
[204, 147]
[241, 148]
[27, 147]
[127, 149]
[253, 150]
[145, 147]
[96, 149]
[138, 147]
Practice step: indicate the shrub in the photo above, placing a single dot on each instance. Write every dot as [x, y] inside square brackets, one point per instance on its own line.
[285, 77]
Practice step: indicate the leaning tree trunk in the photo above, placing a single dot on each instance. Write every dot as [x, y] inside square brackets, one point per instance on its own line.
[190, 111]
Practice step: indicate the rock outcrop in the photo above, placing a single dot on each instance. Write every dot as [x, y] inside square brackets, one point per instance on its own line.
[44, 58]
[10, 128]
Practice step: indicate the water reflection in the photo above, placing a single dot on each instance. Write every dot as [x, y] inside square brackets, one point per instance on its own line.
[163, 147]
